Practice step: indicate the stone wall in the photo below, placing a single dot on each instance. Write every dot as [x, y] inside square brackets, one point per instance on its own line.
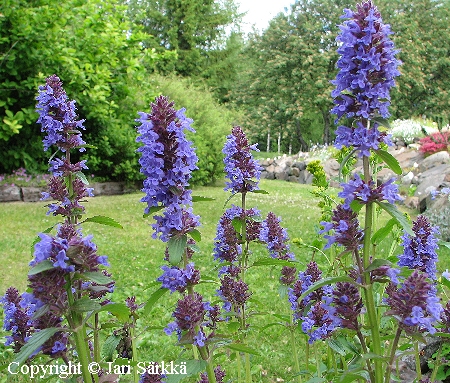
[11, 193]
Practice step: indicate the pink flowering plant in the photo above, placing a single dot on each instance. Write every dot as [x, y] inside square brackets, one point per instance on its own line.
[358, 310]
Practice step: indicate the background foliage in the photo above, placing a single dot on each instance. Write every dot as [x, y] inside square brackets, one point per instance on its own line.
[113, 55]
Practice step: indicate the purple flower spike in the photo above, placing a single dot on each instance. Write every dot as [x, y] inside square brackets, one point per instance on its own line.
[241, 169]
[219, 373]
[57, 117]
[348, 304]
[346, 228]
[420, 250]
[414, 303]
[168, 158]
[364, 192]
[367, 65]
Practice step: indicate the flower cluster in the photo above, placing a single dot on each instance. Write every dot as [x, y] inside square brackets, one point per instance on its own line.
[58, 120]
[20, 319]
[419, 251]
[242, 170]
[276, 239]
[320, 320]
[366, 192]
[167, 161]
[193, 318]
[176, 279]
[345, 225]
[414, 303]
[348, 304]
[367, 65]
[57, 117]
[219, 373]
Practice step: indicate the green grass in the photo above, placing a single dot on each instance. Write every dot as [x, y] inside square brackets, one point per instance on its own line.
[136, 259]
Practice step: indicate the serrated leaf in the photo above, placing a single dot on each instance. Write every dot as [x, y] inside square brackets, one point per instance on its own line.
[237, 224]
[109, 347]
[193, 367]
[176, 247]
[377, 263]
[120, 310]
[260, 191]
[197, 198]
[96, 277]
[325, 282]
[390, 161]
[103, 220]
[85, 304]
[272, 262]
[152, 210]
[153, 299]
[242, 348]
[196, 235]
[383, 232]
[81, 176]
[33, 343]
[397, 215]
[40, 267]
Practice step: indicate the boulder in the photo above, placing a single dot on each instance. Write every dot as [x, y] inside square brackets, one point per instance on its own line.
[32, 194]
[434, 160]
[108, 188]
[9, 193]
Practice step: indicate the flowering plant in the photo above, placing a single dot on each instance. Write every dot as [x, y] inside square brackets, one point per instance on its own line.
[360, 303]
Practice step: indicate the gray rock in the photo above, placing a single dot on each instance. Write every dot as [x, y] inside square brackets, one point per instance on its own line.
[434, 160]
[9, 193]
[108, 188]
[301, 165]
[32, 194]
[293, 179]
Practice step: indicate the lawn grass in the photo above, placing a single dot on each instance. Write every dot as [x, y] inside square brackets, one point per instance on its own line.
[136, 258]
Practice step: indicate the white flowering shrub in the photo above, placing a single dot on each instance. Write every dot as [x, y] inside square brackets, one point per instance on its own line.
[407, 130]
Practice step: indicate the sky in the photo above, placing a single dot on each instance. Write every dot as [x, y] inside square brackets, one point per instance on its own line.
[259, 12]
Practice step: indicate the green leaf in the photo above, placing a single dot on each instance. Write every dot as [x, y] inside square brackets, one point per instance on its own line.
[344, 161]
[198, 198]
[96, 277]
[36, 341]
[241, 348]
[260, 191]
[153, 299]
[109, 347]
[193, 367]
[383, 232]
[82, 177]
[397, 215]
[120, 310]
[356, 206]
[390, 161]
[196, 235]
[101, 219]
[272, 262]
[382, 121]
[237, 224]
[153, 210]
[325, 282]
[40, 267]
[377, 263]
[176, 247]
[85, 304]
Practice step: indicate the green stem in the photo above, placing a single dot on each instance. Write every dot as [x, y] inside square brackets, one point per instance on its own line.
[437, 363]
[134, 349]
[76, 323]
[248, 373]
[417, 359]
[368, 290]
[238, 360]
[294, 349]
[394, 346]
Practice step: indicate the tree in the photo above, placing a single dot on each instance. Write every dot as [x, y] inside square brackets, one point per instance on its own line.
[421, 35]
[191, 28]
[87, 45]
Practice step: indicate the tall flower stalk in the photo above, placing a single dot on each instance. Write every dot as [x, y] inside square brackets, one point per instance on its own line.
[167, 161]
[66, 270]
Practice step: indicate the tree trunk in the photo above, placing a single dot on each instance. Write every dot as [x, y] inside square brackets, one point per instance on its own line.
[268, 141]
[298, 133]
[279, 142]
[326, 127]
